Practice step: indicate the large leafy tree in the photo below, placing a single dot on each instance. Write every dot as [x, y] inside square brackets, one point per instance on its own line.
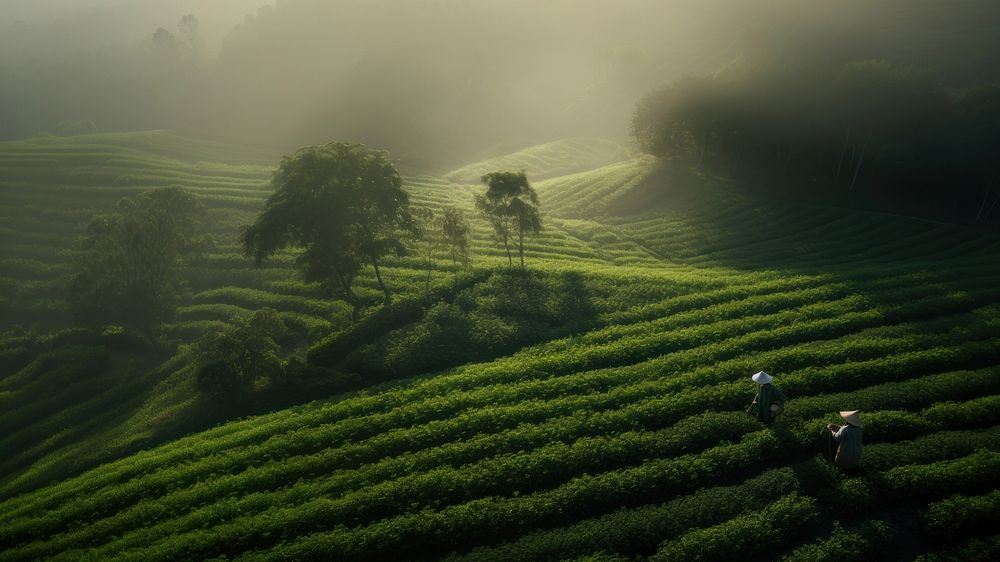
[345, 205]
[130, 270]
[511, 206]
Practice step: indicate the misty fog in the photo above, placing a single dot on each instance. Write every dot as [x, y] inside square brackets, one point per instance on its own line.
[435, 81]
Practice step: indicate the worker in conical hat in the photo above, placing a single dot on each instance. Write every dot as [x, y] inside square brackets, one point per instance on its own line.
[844, 442]
[769, 402]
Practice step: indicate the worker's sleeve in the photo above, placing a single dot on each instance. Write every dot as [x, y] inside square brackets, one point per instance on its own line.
[839, 435]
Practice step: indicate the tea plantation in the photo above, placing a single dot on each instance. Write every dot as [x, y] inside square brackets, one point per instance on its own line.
[590, 408]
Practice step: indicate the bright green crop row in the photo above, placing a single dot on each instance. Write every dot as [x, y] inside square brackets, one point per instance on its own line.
[742, 535]
[963, 515]
[649, 413]
[740, 305]
[338, 482]
[641, 530]
[513, 473]
[251, 298]
[754, 534]
[863, 541]
[973, 473]
[942, 445]
[711, 349]
[628, 530]
[307, 547]
[737, 394]
[486, 519]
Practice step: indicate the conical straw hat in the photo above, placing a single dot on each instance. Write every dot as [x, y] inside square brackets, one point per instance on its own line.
[761, 378]
[852, 417]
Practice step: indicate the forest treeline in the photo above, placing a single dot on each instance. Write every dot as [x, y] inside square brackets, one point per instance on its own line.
[881, 135]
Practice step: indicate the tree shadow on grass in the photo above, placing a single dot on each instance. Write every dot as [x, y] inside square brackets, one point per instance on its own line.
[491, 317]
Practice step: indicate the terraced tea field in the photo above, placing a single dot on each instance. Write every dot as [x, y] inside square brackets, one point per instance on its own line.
[618, 434]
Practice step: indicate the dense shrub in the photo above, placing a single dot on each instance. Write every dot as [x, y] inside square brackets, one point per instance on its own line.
[243, 359]
[505, 312]
[862, 542]
[968, 474]
[747, 536]
[963, 515]
[335, 348]
[640, 530]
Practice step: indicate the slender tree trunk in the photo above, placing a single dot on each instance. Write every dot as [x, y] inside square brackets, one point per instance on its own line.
[520, 247]
[506, 245]
[381, 283]
[350, 297]
[861, 160]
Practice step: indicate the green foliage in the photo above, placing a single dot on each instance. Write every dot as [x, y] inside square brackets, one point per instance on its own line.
[456, 231]
[344, 204]
[967, 474]
[864, 541]
[333, 349]
[243, 359]
[510, 204]
[641, 529]
[505, 312]
[552, 159]
[605, 418]
[963, 515]
[745, 536]
[130, 271]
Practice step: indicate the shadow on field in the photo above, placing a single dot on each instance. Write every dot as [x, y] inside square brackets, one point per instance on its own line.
[688, 217]
[668, 187]
[490, 314]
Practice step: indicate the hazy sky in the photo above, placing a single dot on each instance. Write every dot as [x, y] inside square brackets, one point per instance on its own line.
[434, 80]
[119, 21]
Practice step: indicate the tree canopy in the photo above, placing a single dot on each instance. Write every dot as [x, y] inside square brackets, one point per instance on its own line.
[511, 205]
[129, 273]
[243, 358]
[865, 131]
[344, 204]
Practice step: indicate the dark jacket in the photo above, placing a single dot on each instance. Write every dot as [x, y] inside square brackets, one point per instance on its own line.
[761, 407]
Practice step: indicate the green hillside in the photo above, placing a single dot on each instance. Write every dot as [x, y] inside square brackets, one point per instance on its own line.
[603, 421]
[548, 160]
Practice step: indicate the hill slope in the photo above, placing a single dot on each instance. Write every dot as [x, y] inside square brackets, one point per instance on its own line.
[552, 159]
[620, 436]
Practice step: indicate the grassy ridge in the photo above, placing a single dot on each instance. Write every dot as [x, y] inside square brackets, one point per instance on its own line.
[547, 160]
[624, 438]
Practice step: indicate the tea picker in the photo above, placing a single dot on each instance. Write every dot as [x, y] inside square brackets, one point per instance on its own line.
[769, 402]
